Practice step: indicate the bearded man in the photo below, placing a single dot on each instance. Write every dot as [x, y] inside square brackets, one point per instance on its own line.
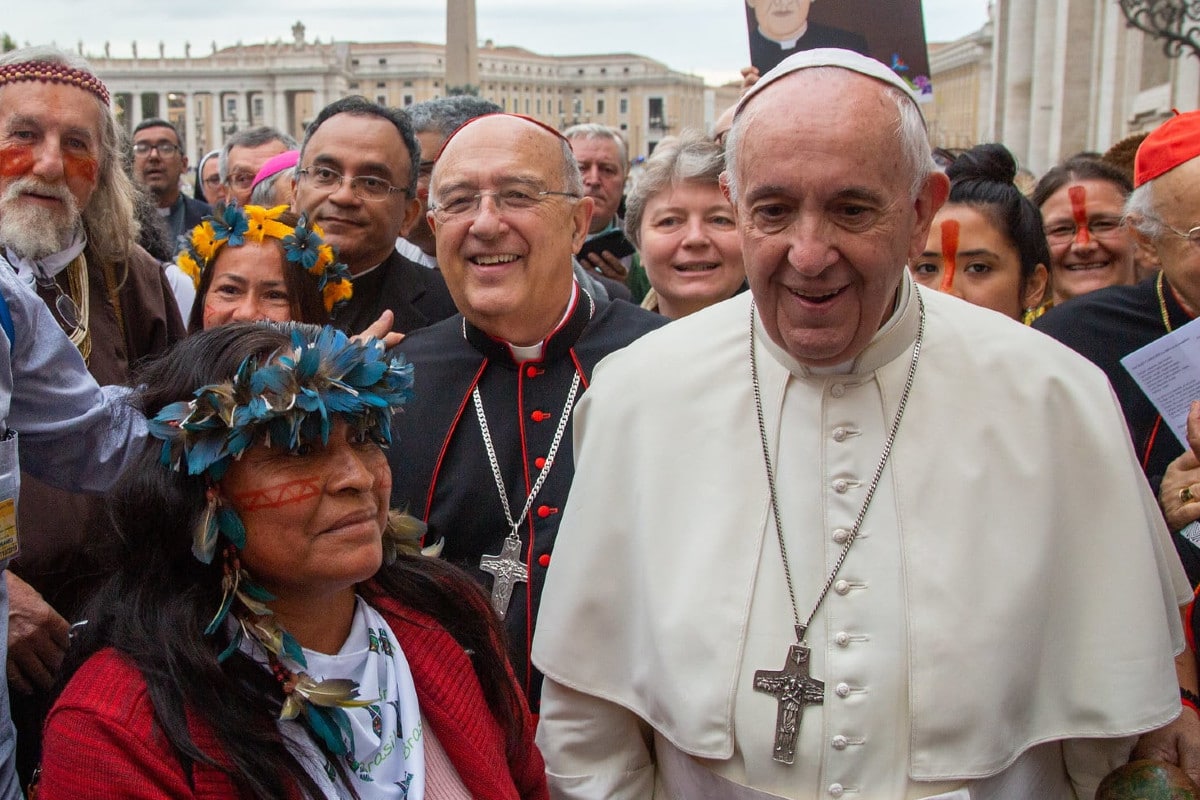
[67, 226]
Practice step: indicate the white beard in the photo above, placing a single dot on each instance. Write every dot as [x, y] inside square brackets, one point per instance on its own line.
[29, 229]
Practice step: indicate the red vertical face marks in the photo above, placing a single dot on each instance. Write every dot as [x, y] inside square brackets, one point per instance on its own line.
[1078, 195]
[949, 252]
[16, 160]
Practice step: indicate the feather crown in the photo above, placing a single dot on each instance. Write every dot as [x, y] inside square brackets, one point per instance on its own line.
[289, 398]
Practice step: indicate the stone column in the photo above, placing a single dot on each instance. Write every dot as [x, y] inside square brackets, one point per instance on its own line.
[1014, 74]
[135, 112]
[1043, 86]
[216, 136]
[189, 130]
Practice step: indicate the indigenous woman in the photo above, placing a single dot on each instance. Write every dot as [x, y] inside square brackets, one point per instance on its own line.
[986, 244]
[263, 636]
[255, 263]
[1083, 211]
[684, 228]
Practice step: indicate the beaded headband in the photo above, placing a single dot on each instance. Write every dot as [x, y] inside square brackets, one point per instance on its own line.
[303, 246]
[54, 72]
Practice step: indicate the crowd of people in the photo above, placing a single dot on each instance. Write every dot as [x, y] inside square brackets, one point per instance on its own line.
[432, 457]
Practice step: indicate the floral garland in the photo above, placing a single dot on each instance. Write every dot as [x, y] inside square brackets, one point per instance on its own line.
[303, 245]
[285, 400]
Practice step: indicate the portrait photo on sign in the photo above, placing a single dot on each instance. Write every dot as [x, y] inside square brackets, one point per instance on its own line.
[891, 31]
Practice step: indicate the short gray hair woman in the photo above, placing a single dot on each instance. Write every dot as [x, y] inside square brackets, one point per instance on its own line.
[684, 228]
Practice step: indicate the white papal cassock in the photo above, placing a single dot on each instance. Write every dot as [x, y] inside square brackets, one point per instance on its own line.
[1003, 626]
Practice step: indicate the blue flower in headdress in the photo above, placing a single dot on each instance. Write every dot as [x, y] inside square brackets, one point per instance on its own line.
[231, 225]
[302, 245]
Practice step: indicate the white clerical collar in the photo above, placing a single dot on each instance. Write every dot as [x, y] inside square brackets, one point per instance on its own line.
[893, 338]
[48, 266]
[787, 44]
[533, 352]
[367, 271]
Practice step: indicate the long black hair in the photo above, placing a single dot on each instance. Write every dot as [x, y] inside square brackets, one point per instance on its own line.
[159, 598]
[982, 178]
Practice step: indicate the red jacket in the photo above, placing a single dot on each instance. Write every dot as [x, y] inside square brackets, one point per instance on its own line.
[102, 740]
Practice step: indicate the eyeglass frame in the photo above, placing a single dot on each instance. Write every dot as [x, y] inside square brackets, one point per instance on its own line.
[1067, 239]
[164, 149]
[439, 212]
[1192, 235]
[355, 183]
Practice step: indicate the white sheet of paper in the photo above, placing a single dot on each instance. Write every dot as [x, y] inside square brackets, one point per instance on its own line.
[1168, 371]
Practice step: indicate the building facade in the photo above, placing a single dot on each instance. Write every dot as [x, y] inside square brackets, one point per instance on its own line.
[284, 84]
[1072, 76]
[961, 73]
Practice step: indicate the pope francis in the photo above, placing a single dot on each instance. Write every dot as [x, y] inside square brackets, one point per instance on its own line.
[842, 537]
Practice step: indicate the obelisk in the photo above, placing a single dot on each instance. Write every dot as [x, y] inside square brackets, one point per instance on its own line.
[462, 47]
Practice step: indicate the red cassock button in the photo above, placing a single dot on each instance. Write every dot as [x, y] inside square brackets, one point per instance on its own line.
[539, 463]
[532, 372]
[545, 511]
[539, 416]
[543, 560]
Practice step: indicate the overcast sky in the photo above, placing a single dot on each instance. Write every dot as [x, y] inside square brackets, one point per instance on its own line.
[706, 37]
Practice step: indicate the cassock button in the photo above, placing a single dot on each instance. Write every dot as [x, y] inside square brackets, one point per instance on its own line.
[532, 372]
[545, 511]
[841, 485]
[842, 689]
[841, 535]
[539, 416]
[842, 639]
[839, 434]
[539, 463]
[836, 790]
[839, 742]
[837, 390]
[543, 560]
[841, 587]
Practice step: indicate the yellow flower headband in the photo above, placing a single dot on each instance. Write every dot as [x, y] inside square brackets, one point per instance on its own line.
[303, 246]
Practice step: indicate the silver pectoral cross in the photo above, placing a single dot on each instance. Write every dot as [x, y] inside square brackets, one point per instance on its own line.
[508, 570]
[794, 689]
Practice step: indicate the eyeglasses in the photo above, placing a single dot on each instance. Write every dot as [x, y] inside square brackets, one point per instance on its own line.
[240, 180]
[1100, 227]
[213, 180]
[68, 310]
[164, 148]
[467, 204]
[364, 187]
[1193, 235]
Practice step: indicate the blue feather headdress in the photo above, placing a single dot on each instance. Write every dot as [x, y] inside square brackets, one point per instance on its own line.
[285, 400]
[289, 399]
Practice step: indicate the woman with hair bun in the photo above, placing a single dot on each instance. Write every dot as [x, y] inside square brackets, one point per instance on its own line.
[986, 245]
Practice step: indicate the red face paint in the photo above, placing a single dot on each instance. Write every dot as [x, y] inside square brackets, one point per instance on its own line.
[949, 251]
[16, 160]
[279, 495]
[1078, 195]
[80, 168]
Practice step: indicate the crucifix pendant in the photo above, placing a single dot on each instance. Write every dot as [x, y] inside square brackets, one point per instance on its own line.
[794, 689]
[508, 570]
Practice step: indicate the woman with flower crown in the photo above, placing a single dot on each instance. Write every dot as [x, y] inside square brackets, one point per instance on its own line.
[270, 630]
[256, 263]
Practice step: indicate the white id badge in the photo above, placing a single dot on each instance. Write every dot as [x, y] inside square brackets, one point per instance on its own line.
[10, 483]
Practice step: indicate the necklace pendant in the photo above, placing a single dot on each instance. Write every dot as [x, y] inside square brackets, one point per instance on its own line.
[508, 570]
[794, 689]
